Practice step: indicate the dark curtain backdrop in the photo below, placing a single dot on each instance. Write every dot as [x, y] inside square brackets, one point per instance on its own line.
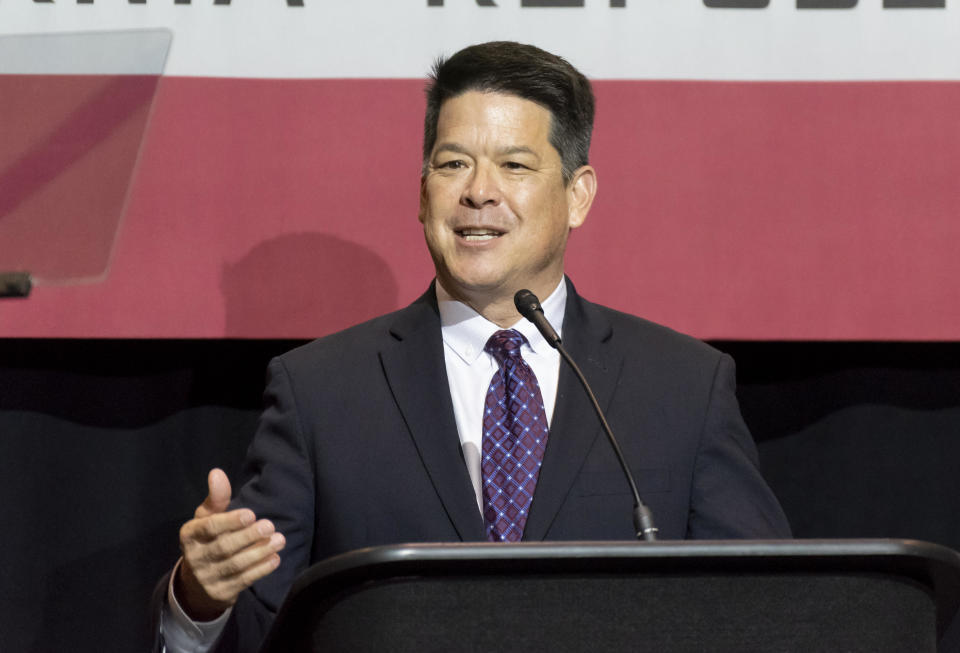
[104, 448]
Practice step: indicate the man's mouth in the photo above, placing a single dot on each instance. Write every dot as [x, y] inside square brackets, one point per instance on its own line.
[477, 234]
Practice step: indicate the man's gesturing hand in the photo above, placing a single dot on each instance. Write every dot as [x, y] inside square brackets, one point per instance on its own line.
[223, 553]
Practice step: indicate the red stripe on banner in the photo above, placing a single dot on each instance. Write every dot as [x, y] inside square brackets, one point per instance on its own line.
[287, 208]
[781, 210]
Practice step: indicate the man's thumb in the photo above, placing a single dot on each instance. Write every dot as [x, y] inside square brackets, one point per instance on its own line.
[218, 493]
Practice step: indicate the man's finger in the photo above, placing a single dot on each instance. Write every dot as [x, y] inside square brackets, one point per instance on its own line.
[206, 529]
[236, 566]
[228, 588]
[231, 543]
[218, 494]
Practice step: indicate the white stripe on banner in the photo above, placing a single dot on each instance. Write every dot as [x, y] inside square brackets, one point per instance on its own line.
[134, 52]
[608, 39]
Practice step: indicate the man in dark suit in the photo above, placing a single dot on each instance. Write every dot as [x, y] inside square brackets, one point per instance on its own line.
[388, 432]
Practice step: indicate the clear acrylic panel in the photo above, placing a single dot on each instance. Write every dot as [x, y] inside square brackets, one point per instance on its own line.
[73, 114]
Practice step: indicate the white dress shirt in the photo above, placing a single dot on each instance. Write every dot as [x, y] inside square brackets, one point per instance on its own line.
[469, 371]
[470, 368]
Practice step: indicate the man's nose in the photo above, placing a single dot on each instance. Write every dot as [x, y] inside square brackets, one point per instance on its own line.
[483, 187]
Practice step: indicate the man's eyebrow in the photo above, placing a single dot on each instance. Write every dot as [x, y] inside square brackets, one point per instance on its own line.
[517, 149]
[506, 151]
[450, 147]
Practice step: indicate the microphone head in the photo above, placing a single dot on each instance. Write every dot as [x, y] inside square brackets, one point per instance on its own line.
[527, 303]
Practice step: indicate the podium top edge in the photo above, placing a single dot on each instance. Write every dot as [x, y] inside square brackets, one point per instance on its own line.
[658, 549]
[431, 557]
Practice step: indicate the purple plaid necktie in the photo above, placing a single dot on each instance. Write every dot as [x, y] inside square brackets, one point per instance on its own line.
[514, 437]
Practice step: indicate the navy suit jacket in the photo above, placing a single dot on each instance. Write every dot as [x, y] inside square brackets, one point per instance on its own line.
[358, 446]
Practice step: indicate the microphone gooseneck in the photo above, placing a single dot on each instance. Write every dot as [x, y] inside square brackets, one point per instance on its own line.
[529, 307]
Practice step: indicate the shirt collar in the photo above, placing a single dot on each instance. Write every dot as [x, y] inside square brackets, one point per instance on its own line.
[466, 332]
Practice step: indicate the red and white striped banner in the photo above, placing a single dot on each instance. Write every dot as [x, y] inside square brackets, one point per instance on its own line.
[777, 172]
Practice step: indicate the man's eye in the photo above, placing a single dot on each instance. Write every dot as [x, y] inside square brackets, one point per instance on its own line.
[455, 164]
[513, 165]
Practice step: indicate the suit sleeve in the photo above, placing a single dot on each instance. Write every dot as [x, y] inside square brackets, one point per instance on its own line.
[278, 486]
[729, 497]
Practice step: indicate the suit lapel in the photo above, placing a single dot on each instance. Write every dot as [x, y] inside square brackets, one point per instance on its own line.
[414, 366]
[574, 426]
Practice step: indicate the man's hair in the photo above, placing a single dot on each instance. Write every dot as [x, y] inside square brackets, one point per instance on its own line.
[524, 71]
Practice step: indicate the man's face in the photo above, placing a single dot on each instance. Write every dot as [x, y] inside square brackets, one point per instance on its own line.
[495, 210]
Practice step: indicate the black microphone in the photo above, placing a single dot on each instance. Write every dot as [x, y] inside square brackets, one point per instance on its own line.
[529, 307]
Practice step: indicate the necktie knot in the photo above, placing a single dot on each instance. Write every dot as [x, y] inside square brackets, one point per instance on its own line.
[505, 344]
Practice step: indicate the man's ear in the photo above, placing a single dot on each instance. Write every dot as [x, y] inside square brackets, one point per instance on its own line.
[422, 214]
[580, 193]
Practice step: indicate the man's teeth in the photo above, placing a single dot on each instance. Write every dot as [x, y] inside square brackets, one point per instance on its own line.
[478, 234]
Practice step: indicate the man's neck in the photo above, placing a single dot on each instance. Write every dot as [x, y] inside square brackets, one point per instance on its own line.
[495, 307]
[501, 312]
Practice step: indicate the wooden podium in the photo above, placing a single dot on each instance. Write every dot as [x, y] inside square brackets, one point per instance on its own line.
[755, 595]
